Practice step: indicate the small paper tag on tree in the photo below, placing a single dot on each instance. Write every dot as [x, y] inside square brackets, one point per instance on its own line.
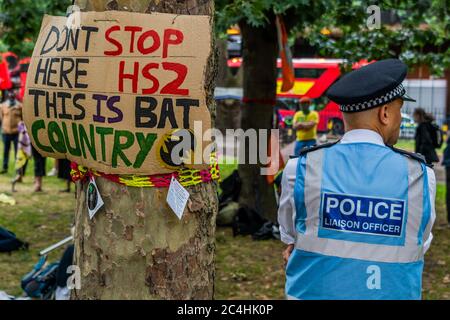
[177, 197]
[93, 198]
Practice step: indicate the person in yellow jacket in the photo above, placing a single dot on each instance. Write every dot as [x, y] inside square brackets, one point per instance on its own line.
[305, 123]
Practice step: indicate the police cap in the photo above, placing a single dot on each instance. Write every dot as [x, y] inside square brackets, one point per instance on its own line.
[370, 86]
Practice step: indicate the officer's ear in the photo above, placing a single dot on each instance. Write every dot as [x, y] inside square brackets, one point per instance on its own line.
[383, 114]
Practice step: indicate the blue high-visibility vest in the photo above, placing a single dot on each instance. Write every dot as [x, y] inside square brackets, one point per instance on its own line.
[362, 212]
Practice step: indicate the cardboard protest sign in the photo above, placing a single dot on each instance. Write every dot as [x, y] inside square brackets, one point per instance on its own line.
[112, 94]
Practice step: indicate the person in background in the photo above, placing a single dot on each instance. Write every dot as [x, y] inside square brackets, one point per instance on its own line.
[424, 142]
[23, 155]
[446, 164]
[305, 122]
[10, 116]
[39, 169]
[64, 173]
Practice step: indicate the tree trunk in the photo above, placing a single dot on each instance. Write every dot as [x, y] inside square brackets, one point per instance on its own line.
[260, 52]
[136, 248]
[225, 78]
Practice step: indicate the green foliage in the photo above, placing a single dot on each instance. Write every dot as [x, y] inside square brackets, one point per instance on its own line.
[423, 36]
[3, 47]
[20, 21]
[256, 12]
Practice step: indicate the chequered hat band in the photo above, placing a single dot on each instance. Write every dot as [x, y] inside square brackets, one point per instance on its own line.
[387, 97]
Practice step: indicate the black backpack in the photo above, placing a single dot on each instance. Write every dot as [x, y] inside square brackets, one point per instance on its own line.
[9, 242]
[437, 136]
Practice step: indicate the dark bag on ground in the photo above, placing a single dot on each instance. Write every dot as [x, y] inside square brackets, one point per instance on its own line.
[437, 136]
[269, 230]
[247, 221]
[9, 241]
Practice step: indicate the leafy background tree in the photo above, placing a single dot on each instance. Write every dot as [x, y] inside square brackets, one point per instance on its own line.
[20, 21]
[420, 34]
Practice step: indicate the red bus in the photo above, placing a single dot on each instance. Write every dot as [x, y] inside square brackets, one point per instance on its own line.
[313, 76]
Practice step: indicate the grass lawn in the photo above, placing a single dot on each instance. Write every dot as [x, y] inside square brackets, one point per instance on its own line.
[405, 144]
[246, 269]
[409, 146]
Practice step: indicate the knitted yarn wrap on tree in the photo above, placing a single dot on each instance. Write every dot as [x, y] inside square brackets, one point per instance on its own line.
[186, 177]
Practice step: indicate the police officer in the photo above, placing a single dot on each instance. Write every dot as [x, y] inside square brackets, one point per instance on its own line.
[356, 215]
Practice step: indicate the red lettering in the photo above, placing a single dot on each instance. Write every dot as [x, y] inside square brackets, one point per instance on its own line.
[113, 41]
[146, 73]
[173, 87]
[156, 42]
[133, 31]
[171, 36]
[134, 77]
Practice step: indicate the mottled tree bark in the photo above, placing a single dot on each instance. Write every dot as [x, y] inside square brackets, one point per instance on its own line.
[260, 52]
[135, 247]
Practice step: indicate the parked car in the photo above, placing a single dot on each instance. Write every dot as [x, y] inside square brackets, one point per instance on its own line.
[407, 127]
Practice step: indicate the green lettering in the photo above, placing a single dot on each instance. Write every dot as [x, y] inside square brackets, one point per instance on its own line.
[85, 141]
[58, 144]
[118, 147]
[103, 132]
[35, 127]
[145, 143]
[73, 151]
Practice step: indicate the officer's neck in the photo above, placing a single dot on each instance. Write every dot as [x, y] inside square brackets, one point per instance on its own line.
[371, 128]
